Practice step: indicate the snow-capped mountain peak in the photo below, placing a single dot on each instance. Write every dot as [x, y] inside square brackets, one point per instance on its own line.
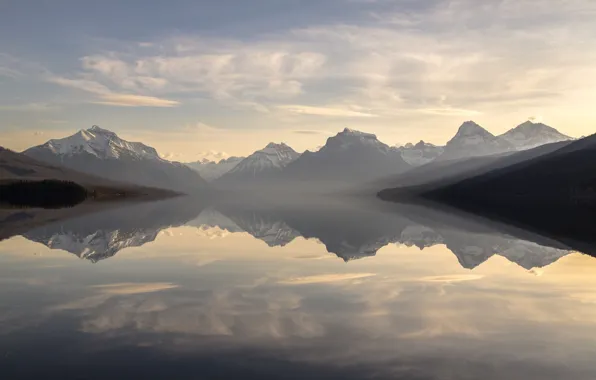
[355, 133]
[102, 153]
[279, 155]
[211, 170]
[280, 146]
[350, 137]
[530, 135]
[420, 153]
[97, 245]
[274, 157]
[100, 143]
[472, 131]
[471, 140]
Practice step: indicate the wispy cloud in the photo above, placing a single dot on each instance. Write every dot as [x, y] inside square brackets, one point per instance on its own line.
[450, 279]
[107, 97]
[455, 59]
[325, 278]
[8, 72]
[134, 288]
[407, 69]
[127, 100]
[36, 107]
[311, 132]
[324, 111]
[448, 111]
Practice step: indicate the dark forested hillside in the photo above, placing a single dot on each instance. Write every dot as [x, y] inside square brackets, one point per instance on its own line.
[43, 194]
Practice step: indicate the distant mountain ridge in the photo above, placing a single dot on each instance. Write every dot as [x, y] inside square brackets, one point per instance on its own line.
[102, 153]
[529, 135]
[20, 167]
[349, 157]
[262, 164]
[212, 170]
[552, 193]
[420, 153]
[472, 140]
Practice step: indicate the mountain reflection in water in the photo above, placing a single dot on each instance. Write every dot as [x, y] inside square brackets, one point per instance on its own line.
[194, 289]
[350, 230]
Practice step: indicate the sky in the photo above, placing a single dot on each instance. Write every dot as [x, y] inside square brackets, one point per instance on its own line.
[199, 78]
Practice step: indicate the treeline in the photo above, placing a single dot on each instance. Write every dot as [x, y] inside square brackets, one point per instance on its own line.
[44, 194]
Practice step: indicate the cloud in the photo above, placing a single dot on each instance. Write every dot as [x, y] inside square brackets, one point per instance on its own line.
[134, 288]
[443, 59]
[451, 112]
[107, 97]
[8, 72]
[79, 84]
[127, 100]
[454, 59]
[35, 107]
[325, 278]
[324, 111]
[414, 66]
[212, 155]
[224, 69]
[12, 67]
[311, 132]
[452, 278]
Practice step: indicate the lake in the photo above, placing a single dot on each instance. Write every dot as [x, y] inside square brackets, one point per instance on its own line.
[325, 288]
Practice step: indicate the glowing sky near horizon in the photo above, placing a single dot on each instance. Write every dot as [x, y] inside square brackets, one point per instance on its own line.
[203, 78]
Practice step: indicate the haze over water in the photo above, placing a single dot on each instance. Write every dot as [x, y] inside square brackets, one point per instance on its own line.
[277, 290]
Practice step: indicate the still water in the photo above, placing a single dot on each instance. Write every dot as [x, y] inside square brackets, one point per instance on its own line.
[182, 289]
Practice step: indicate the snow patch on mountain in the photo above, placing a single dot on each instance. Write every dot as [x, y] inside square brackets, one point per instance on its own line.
[530, 255]
[211, 170]
[211, 218]
[471, 140]
[100, 244]
[272, 158]
[421, 153]
[102, 153]
[100, 143]
[350, 137]
[420, 236]
[531, 135]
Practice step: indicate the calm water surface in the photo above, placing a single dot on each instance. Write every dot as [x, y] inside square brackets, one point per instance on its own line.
[176, 290]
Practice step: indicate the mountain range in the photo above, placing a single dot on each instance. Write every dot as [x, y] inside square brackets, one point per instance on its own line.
[102, 153]
[471, 140]
[347, 159]
[264, 164]
[421, 153]
[353, 157]
[212, 170]
[550, 189]
[19, 168]
[531, 135]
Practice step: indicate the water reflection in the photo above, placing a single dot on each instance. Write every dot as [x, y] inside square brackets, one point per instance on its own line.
[102, 234]
[255, 290]
[350, 230]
